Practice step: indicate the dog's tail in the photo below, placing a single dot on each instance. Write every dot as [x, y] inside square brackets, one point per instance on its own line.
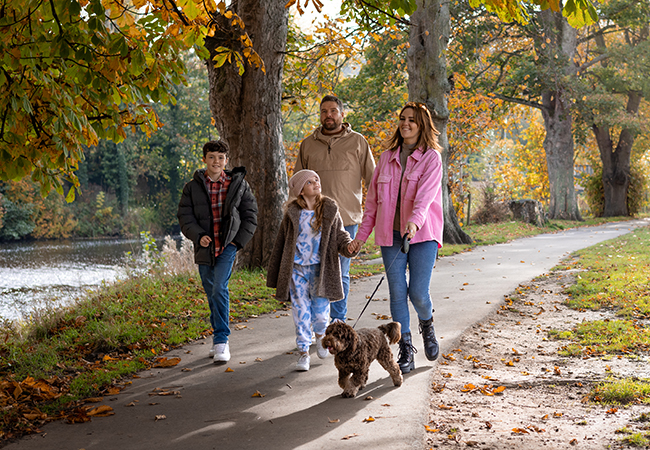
[392, 331]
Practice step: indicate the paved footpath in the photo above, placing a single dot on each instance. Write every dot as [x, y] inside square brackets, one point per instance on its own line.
[211, 408]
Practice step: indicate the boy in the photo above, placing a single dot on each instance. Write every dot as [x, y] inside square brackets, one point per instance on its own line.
[218, 213]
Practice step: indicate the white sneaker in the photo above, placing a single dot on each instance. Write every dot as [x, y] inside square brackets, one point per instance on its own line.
[303, 362]
[212, 351]
[321, 351]
[221, 352]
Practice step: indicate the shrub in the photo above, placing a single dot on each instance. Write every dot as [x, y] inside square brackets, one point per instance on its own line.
[492, 210]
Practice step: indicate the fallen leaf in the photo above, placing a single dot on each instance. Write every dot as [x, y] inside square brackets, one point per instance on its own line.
[186, 369]
[333, 420]
[258, 359]
[369, 419]
[431, 430]
[130, 404]
[519, 431]
[611, 411]
[101, 411]
[369, 398]
[160, 417]
[445, 407]
[163, 361]
[349, 436]
[258, 394]
[573, 442]
[228, 370]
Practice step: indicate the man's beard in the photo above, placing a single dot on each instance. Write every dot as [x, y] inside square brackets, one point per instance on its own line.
[329, 126]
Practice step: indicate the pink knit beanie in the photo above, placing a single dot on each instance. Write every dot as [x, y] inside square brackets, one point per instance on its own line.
[298, 180]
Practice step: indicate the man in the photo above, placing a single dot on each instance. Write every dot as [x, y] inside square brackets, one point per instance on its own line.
[341, 158]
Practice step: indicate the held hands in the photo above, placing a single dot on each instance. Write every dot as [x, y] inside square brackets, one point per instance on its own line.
[411, 228]
[205, 241]
[355, 246]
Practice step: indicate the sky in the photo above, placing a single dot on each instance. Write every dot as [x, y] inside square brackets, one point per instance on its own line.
[330, 8]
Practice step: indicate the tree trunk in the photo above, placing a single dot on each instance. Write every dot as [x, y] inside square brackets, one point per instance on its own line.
[428, 83]
[247, 112]
[616, 162]
[556, 111]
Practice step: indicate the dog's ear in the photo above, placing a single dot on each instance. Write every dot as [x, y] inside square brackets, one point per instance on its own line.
[350, 336]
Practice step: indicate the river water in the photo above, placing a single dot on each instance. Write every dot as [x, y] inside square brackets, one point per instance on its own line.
[44, 274]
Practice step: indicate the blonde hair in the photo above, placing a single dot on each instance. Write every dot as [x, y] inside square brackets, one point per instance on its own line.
[319, 206]
[428, 137]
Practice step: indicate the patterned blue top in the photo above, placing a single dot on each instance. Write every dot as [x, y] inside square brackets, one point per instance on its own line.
[308, 242]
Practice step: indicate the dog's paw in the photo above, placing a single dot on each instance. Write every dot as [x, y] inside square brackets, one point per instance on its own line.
[348, 394]
[397, 381]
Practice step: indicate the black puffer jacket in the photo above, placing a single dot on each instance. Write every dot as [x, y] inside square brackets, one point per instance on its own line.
[239, 214]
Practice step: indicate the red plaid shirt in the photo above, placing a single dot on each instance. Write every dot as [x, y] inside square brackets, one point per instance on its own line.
[218, 190]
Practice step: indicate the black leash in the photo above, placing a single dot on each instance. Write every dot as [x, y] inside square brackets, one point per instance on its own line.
[404, 248]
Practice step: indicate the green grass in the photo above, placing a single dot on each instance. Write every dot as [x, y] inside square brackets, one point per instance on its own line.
[621, 392]
[615, 276]
[83, 350]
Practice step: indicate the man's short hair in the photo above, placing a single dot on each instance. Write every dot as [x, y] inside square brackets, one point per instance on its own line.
[332, 98]
[216, 146]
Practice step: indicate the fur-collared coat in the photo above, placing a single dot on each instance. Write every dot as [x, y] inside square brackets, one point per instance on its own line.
[334, 240]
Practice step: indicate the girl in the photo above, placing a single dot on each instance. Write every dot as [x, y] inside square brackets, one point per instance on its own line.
[405, 198]
[304, 265]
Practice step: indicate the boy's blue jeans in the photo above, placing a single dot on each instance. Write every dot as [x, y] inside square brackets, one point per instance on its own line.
[215, 282]
[339, 310]
[420, 260]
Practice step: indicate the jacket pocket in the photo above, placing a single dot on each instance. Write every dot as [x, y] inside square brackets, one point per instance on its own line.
[383, 188]
[410, 187]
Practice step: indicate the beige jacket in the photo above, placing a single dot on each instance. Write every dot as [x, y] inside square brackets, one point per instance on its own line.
[334, 240]
[341, 161]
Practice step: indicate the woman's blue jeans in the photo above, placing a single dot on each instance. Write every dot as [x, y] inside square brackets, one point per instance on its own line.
[420, 261]
[215, 282]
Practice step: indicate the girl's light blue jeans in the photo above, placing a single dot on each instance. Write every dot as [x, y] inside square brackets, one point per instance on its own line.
[310, 312]
[420, 261]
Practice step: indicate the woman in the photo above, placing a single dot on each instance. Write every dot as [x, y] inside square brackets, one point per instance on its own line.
[405, 197]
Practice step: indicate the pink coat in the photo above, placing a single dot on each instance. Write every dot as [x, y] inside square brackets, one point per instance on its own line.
[421, 201]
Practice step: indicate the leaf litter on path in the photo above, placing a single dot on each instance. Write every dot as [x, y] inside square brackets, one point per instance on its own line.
[540, 395]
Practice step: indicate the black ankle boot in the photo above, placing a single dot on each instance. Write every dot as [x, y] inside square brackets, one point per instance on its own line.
[431, 348]
[406, 358]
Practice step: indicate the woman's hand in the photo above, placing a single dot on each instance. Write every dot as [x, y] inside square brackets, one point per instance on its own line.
[355, 246]
[411, 228]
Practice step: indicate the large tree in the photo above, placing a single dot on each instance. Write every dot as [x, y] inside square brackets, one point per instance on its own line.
[617, 81]
[247, 110]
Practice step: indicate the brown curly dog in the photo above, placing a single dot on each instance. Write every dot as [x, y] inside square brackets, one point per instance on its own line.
[354, 351]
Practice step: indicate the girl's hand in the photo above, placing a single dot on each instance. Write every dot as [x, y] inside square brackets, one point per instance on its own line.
[411, 228]
[355, 246]
[205, 241]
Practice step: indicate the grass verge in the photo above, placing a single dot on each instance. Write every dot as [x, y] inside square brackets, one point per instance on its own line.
[612, 277]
